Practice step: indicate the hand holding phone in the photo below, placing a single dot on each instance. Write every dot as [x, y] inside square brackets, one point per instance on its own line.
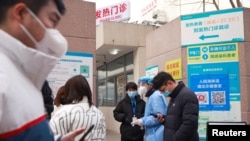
[87, 132]
[158, 115]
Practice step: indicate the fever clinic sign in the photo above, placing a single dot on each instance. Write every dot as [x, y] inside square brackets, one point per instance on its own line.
[115, 12]
[212, 27]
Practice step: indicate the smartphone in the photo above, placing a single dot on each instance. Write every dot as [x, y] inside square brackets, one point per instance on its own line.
[155, 115]
[87, 132]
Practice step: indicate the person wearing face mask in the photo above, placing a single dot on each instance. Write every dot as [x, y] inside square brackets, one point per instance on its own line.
[181, 120]
[129, 109]
[145, 86]
[156, 104]
[30, 46]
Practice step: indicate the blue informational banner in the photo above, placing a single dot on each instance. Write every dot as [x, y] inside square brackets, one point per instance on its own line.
[212, 91]
[230, 68]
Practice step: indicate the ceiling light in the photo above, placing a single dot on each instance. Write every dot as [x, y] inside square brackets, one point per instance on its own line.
[114, 51]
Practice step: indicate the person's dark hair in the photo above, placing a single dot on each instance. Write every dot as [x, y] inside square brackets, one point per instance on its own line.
[34, 5]
[59, 97]
[76, 88]
[47, 99]
[161, 78]
[131, 85]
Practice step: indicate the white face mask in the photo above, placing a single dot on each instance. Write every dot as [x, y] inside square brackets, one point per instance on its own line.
[53, 43]
[142, 90]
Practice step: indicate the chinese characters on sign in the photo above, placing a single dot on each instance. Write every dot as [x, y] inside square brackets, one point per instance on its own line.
[213, 74]
[213, 53]
[115, 12]
[212, 27]
[212, 91]
[174, 67]
[148, 7]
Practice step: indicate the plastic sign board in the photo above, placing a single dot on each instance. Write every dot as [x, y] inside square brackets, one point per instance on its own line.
[212, 27]
[174, 67]
[115, 12]
[72, 63]
[152, 70]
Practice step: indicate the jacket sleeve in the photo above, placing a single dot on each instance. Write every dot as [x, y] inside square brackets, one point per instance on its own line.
[118, 113]
[190, 117]
[158, 106]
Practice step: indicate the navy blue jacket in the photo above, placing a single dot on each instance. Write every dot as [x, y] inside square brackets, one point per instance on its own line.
[181, 122]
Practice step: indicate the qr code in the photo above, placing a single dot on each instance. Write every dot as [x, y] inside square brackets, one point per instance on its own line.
[203, 97]
[218, 97]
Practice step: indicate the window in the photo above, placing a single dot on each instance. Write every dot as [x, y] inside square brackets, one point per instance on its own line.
[101, 72]
[116, 67]
[101, 92]
[112, 78]
[129, 61]
[110, 99]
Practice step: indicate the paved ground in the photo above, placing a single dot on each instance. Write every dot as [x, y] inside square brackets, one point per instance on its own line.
[112, 136]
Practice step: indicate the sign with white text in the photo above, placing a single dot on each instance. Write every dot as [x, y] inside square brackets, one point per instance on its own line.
[152, 70]
[115, 12]
[212, 27]
[72, 63]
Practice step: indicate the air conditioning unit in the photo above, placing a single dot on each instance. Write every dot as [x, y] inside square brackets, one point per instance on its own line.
[160, 17]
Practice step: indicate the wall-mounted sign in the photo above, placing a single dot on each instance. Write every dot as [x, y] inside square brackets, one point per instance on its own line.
[212, 53]
[212, 27]
[72, 63]
[115, 12]
[174, 67]
[148, 6]
[152, 70]
[213, 74]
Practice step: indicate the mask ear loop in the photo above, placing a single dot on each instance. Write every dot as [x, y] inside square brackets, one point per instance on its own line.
[35, 17]
[25, 29]
[28, 34]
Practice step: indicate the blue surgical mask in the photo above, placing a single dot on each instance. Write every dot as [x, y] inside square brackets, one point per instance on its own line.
[166, 94]
[132, 94]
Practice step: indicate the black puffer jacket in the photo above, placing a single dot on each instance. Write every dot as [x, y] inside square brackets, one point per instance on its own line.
[47, 98]
[181, 122]
[124, 113]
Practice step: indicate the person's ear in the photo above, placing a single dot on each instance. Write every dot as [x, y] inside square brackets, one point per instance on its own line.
[169, 82]
[19, 12]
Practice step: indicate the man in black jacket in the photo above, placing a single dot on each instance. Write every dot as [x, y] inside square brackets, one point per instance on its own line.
[181, 121]
[130, 108]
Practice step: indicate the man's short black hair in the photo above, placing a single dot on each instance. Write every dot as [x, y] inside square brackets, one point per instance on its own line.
[34, 5]
[161, 78]
[131, 85]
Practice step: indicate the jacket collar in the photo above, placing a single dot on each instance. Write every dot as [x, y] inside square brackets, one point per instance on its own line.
[34, 64]
[177, 89]
[137, 98]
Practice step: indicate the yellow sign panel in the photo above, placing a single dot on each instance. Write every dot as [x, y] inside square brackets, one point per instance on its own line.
[212, 53]
[174, 67]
